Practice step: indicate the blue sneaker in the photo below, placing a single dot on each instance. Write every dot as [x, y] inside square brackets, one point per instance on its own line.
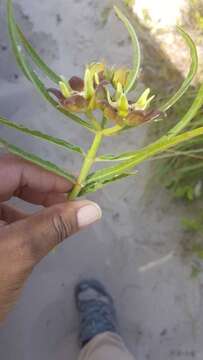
[96, 310]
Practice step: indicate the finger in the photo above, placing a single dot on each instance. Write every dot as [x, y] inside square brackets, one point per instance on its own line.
[9, 214]
[35, 236]
[42, 198]
[24, 175]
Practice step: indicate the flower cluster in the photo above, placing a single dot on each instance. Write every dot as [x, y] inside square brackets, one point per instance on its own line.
[104, 89]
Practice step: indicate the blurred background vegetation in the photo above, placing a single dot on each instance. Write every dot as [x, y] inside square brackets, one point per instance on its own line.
[165, 63]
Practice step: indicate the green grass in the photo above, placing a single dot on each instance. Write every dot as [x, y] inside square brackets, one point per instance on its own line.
[181, 169]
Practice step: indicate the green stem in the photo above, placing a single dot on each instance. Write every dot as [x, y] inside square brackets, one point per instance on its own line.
[112, 131]
[93, 120]
[104, 121]
[87, 164]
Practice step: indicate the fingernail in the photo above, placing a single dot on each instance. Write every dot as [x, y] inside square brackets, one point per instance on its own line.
[88, 214]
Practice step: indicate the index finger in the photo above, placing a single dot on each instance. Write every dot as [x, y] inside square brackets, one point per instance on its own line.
[16, 175]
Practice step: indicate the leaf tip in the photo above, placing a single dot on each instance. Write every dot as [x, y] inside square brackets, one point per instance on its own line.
[118, 12]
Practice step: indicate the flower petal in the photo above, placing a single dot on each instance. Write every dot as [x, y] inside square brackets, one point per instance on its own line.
[111, 114]
[75, 103]
[101, 75]
[120, 76]
[123, 106]
[56, 93]
[96, 68]
[108, 74]
[64, 89]
[89, 84]
[144, 100]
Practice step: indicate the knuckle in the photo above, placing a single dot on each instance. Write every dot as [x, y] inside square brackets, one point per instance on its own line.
[61, 226]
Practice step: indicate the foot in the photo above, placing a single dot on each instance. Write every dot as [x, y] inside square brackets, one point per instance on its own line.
[96, 310]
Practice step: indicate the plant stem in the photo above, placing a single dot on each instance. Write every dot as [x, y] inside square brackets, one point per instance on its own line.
[87, 164]
[104, 121]
[112, 131]
[93, 120]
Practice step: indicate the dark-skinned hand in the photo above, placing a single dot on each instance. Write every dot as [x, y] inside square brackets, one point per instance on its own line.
[25, 239]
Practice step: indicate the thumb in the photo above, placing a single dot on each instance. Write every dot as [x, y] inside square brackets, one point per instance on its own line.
[40, 233]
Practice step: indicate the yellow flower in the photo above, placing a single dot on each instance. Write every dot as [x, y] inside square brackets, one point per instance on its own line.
[64, 89]
[89, 84]
[144, 101]
[123, 106]
[120, 76]
[104, 89]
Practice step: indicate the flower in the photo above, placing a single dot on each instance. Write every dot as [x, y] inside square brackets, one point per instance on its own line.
[104, 89]
[120, 77]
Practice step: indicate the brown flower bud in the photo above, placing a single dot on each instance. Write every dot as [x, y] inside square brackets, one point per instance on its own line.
[154, 114]
[137, 117]
[112, 114]
[56, 93]
[75, 103]
[76, 84]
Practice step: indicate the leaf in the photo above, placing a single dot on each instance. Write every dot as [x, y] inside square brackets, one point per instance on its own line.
[15, 46]
[191, 225]
[31, 75]
[192, 72]
[40, 135]
[136, 50]
[94, 186]
[190, 168]
[147, 152]
[47, 165]
[37, 59]
[190, 114]
[122, 157]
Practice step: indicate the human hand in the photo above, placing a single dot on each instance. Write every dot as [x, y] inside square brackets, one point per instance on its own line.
[25, 239]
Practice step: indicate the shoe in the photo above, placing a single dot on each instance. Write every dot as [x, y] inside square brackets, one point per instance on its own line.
[96, 310]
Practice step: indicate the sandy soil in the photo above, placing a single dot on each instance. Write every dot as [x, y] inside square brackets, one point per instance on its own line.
[159, 305]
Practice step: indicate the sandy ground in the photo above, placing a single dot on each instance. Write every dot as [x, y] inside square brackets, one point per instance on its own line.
[159, 306]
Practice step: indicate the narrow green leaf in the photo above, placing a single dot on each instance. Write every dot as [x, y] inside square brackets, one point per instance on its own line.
[136, 50]
[47, 165]
[40, 135]
[37, 59]
[15, 46]
[190, 114]
[94, 186]
[31, 75]
[141, 155]
[192, 72]
[190, 168]
[122, 157]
